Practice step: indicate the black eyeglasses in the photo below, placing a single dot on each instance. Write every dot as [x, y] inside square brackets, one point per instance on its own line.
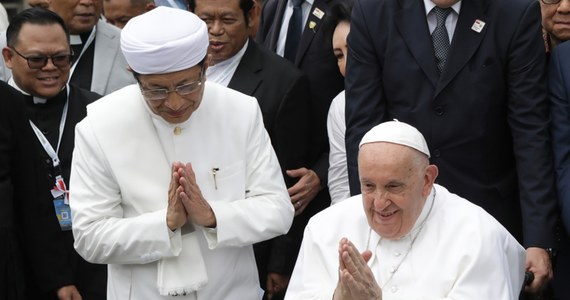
[550, 1]
[40, 61]
[157, 95]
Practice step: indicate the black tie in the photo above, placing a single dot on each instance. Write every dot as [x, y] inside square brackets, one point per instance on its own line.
[294, 31]
[440, 37]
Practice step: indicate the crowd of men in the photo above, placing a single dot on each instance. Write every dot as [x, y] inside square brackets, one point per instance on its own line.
[285, 149]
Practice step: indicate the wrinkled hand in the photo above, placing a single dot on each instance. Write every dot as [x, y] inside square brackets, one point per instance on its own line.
[176, 215]
[199, 210]
[538, 262]
[355, 280]
[276, 283]
[305, 190]
[68, 292]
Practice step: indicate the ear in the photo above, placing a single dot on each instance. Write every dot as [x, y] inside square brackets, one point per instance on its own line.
[429, 178]
[150, 6]
[7, 55]
[207, 62]
[252, 15]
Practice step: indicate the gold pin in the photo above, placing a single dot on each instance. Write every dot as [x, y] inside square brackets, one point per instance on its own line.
[177, 130]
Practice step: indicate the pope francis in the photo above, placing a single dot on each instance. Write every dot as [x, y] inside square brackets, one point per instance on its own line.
[405, 237]
[174, 178]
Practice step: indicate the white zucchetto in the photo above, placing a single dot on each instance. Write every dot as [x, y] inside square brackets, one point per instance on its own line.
[396, 132]
[164, 40]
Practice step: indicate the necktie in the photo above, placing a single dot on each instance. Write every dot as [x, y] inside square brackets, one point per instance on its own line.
[440, 37]
[294, 31]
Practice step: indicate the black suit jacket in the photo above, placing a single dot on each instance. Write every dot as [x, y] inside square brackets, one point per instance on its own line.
[485, 118]
[283, 94]
[559, 87]
[32, 249]
[90, 279]
[316, 59]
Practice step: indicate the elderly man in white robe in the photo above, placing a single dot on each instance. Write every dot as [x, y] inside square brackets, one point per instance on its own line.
[174, 178]
[405, 237]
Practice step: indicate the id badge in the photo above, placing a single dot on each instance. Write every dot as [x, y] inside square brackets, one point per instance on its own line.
[63, 213]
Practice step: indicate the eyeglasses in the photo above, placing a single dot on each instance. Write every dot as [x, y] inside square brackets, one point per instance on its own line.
[157, 95]
[550, 1]
[40, 61]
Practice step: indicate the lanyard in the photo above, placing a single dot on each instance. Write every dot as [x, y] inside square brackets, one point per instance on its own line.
[43, 140]
[87, 44]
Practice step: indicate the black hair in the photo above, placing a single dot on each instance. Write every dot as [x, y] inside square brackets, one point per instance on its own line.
[36, 16]
[245, 5]
[341, 11]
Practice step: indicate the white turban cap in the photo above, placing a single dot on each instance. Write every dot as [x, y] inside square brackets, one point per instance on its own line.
[164, 40]
[398, 133]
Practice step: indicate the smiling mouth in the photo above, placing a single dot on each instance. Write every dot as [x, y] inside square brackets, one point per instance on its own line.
[52, 78]
[387, 214]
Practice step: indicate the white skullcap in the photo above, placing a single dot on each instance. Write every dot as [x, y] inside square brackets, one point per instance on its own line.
[398, 133]
[164, 40]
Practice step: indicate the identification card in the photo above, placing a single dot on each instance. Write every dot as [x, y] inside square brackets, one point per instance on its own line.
[63, 213]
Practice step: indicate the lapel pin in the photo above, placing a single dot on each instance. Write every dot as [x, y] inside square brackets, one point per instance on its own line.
[312, 25]
[318, 13]
[478, 26]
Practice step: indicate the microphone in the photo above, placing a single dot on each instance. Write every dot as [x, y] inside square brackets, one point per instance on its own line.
[528, 277]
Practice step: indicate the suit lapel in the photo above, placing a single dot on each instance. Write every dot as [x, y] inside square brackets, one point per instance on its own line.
[276, 18]
[245, 78]
[312, 26]
[465, 41]
[412, 24]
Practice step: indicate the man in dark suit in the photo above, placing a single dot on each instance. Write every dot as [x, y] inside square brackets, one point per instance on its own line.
[314, 56]
[38, 53]
[282, 92]
[478, 95]
[559, 85]
[31, 250]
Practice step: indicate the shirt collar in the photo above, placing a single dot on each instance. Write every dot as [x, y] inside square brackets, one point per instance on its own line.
[430, 5]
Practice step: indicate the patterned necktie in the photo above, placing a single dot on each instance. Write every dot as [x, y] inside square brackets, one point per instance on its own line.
[294, 31]
[440, 37]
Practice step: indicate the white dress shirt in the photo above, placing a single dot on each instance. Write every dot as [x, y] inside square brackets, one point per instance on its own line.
[450, 22]
[338, 174]
[222, 72]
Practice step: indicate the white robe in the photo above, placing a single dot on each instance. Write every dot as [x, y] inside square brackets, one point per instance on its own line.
[461, 253]
[119, 185]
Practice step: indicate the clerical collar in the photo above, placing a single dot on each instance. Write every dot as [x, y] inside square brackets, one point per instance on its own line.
[222, 72]
[75, 39]
[37, 100]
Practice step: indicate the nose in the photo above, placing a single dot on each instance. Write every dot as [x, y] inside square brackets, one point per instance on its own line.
[381, 199]
[564, 7]
[216, 28]
[174, 101]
